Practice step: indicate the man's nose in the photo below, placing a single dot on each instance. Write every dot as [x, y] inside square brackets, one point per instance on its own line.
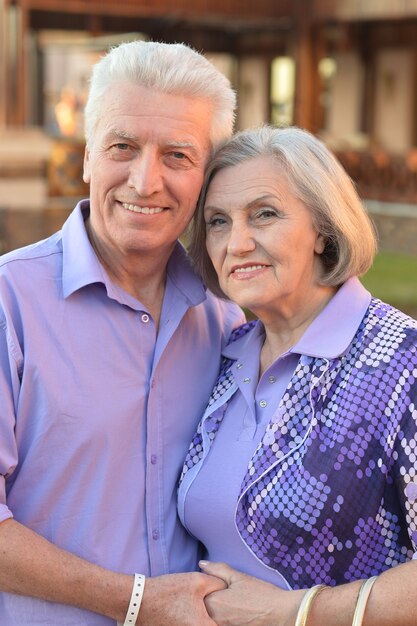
[241, 240]
[145, 175]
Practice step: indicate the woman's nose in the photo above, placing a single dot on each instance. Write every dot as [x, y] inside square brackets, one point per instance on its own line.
[241, 240]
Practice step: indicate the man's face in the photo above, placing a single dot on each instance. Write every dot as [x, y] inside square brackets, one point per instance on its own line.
[145, 166]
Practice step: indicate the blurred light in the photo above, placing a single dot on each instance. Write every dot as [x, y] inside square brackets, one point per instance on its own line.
[327, 68]
[282, 80]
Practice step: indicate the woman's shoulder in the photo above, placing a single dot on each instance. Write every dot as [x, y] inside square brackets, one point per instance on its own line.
[388, 334]
[241, 331]
[387, 316]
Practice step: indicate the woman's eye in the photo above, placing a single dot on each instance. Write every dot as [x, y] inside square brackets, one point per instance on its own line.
[266, 213]
[215, 221]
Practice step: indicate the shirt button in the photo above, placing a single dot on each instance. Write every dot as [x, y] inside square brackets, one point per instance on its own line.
[263, 403]
[272, 379]
[154, 459]
[145, 318]
[239, 366]
[246, 380]
[155, 534]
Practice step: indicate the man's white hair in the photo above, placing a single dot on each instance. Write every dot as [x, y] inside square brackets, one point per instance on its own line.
[168, 68]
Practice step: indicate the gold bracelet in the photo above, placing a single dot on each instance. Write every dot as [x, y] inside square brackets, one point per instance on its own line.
[306, 603]
[362, 600]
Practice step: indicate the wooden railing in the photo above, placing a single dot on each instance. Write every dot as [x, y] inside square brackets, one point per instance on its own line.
[242, 9]
[379, 175]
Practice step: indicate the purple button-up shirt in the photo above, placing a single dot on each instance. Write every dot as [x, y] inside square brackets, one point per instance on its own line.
[97, 409]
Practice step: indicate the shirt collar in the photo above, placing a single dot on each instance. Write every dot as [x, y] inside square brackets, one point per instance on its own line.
[81, 266]
[330, 333]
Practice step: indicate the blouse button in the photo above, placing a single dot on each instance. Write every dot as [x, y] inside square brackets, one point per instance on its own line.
[145, 318]
[263, 403]
[272, 379]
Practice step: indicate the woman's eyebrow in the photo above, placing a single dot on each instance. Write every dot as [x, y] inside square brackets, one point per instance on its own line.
[264, 198]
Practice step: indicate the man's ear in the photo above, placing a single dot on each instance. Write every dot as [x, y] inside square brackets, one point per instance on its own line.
[86, 167]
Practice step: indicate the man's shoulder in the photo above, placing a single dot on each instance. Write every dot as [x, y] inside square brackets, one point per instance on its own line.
[224, 310]
[34, 252]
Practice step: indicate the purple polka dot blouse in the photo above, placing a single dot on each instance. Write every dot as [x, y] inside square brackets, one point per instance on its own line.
[330, 494]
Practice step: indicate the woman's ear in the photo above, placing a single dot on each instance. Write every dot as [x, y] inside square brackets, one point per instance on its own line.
[320, 244]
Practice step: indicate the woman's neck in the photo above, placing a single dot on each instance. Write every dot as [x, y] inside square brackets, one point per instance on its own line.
[283, 332]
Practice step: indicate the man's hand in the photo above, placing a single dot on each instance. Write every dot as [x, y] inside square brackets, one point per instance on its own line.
[248, 600]
[178, 600]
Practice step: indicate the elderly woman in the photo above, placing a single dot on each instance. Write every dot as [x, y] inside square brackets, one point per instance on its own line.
[302, 473]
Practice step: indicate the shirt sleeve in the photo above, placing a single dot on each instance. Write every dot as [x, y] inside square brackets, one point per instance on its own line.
[9, 389]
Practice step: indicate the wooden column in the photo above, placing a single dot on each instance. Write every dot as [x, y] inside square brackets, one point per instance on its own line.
[21, 104]
[4, 8]
[307, 43]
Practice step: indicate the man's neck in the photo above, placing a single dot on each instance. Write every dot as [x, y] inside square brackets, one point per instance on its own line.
[142, 276]
[147, 285]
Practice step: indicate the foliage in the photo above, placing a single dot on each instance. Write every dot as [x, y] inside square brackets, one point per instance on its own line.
[393, 278]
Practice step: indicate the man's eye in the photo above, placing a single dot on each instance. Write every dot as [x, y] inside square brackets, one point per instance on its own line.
[178, 155]
[122, 146]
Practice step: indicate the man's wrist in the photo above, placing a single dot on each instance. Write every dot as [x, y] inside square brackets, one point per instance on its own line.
[135, 601]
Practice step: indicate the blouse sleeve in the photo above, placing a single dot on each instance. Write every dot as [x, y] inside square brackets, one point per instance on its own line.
[405, 451]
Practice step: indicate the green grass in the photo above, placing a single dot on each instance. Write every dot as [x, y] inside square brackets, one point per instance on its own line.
[393, 278]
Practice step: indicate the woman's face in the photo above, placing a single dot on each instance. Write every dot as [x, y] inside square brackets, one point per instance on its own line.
[261, 239]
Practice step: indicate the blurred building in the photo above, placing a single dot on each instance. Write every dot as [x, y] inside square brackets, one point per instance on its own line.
[346, 70]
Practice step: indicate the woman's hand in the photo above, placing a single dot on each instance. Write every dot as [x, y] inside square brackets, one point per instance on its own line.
[178, 600]
[248, 600]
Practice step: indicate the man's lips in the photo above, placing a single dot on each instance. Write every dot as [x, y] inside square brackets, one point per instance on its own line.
[145, 210]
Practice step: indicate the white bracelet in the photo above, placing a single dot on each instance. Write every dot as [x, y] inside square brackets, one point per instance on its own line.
[362, 600]
[135, 601]
[306, 602]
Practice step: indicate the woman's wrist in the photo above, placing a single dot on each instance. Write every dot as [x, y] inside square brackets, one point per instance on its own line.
[292, 604]
[306, 604]
[335, 605]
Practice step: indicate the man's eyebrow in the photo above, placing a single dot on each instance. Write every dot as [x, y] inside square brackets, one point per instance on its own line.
[187, 145]
[180, 144]
[121, 134]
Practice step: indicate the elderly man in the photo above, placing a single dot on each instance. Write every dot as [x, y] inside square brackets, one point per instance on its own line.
[109, 346]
